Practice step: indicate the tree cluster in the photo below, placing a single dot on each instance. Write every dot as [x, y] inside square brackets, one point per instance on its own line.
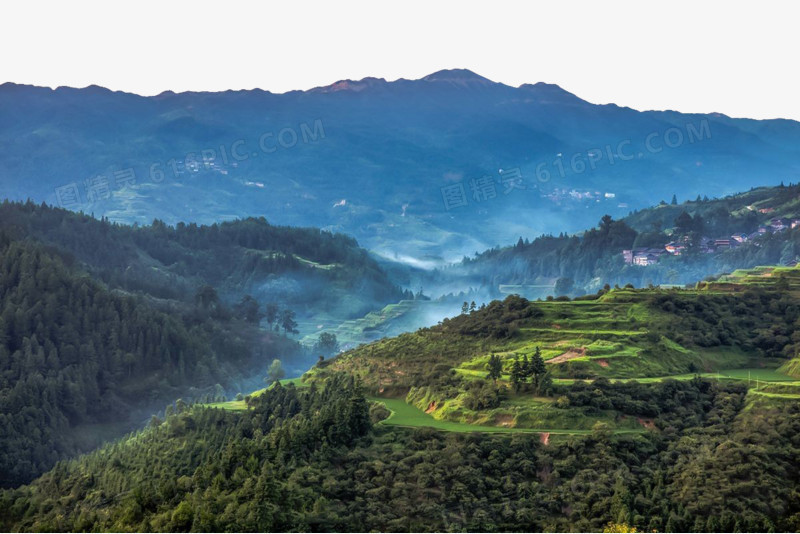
[310, 460]
[73, 353]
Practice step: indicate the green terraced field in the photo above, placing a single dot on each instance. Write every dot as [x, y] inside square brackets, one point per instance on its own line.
[587, 332]
[233, 406]
[406, 415]
[764, 276]
[753, 374]
[390, 320]
[765, 375]
[403, 414]
[621, 336]
[791, 396]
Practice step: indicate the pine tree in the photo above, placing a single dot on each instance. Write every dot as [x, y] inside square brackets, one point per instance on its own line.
[525, 367]
[537, 363]
[537, 370]
[495, 367]
[516, 374]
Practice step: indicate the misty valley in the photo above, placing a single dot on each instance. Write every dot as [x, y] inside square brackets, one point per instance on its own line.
[436, 304]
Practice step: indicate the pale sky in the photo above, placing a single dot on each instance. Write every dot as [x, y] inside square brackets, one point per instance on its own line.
[694, 56]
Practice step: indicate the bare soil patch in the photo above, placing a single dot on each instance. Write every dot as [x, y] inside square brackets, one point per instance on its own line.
[571, 354]
[504, 420]
[649, 424]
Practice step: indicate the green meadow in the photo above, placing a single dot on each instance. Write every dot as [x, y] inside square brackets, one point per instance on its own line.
[406, 415]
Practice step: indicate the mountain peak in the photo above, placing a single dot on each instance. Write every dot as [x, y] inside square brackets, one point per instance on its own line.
[461, 77]
[457, 76]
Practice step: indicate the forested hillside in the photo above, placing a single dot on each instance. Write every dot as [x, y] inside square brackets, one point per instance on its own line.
[103, 323]
[581, 263]
[305, 269]
[311, 459]
[627, 408]
[77, 358]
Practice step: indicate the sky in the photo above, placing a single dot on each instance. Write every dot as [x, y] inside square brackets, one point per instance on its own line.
[737, 59]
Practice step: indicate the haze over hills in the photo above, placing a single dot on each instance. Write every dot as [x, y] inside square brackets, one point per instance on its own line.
[320, 276]
[561, 414]
[370, 158]
[553, 287]
[687, 241]
[102, 324]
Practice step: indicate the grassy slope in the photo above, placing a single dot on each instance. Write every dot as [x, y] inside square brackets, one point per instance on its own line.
[407, 415]
[391, 319]
[609, 337]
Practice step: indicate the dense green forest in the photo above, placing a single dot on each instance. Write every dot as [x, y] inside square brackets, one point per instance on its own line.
[313, 459]
[101, 324]
[586, 262]
[306, 269]
[74, 353]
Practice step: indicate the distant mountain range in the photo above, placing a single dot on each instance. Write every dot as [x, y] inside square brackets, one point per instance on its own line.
[421, 171]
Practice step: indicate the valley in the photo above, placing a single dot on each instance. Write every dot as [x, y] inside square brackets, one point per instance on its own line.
[326, 285]
[581, 390]
[557, 398]
[442, 303]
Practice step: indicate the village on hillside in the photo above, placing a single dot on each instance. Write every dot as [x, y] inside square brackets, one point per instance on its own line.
[650, 255]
